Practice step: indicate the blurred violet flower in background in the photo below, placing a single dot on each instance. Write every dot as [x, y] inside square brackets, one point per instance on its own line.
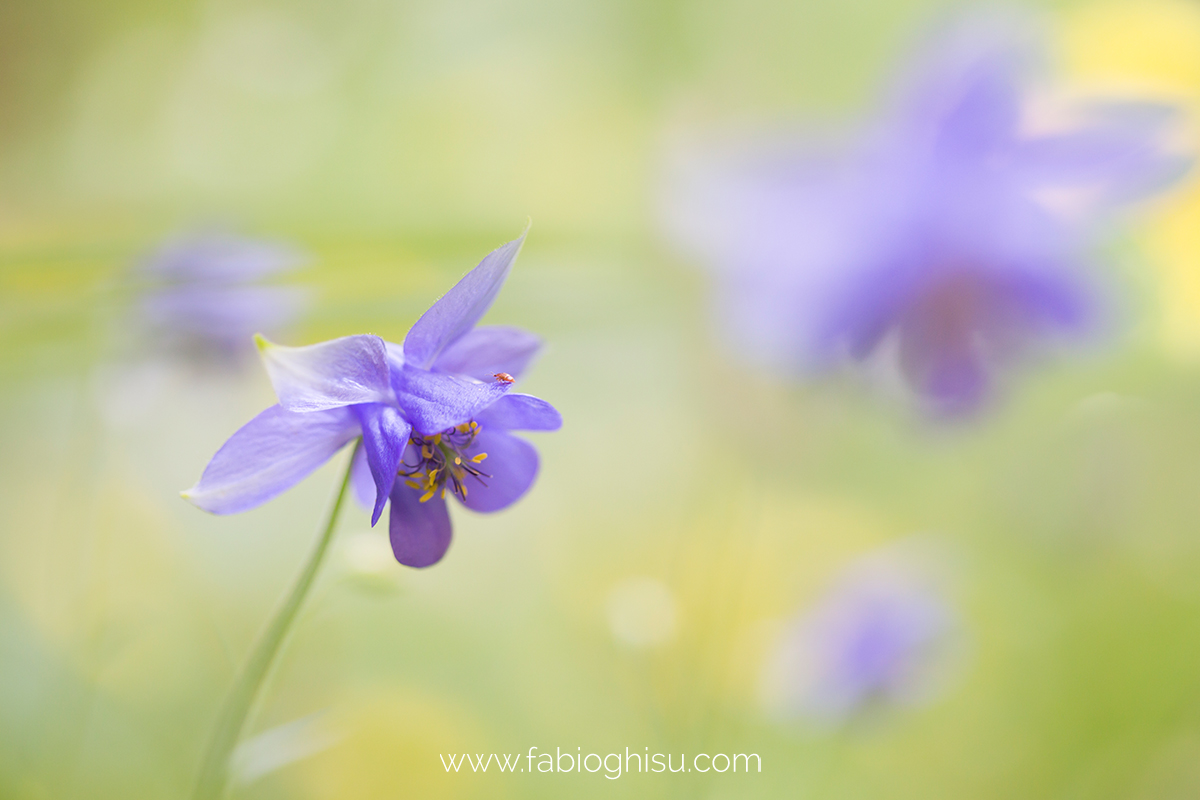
[950, 234]
[434, 416]
[882, 635]
[204, 298]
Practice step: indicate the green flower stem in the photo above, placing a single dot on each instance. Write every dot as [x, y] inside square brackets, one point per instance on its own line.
[214, 771]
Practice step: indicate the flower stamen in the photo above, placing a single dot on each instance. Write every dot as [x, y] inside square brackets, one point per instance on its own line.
[442, 462]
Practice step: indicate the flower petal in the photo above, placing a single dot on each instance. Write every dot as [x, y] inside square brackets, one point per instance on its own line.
[951, 382]
[964, 96]
[385, 435]
[362, 480]
[434, 401]
[484, 351]
[269, 454]
[512, 463]
[520, 412]
[220, 259]
[1121, 154]
[420, 532]
[460, 308]
[395, 355]
[224, 317]
[340, 372]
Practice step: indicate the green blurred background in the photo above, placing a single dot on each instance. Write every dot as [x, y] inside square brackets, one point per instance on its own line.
[398, 143]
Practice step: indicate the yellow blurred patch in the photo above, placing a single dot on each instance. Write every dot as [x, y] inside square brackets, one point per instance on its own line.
[1173, 242]
[393, 747]
[1136, 44]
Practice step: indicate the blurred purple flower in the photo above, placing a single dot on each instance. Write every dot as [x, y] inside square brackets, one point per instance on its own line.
[434, 415]
[881, 635]
[950, 231]
[203, 295]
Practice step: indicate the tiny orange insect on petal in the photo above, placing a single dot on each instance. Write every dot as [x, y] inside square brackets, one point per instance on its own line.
[503, 377]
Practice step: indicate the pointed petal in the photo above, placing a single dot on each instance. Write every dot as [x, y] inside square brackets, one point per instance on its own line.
[385, 435]
[461, 307]
[420, 532]
[963, 97]
[362, 480]
[340, 372]
[520, 412]
[269, 454]
[512, 463]
[434, 401]
[484, 351]
[1119, 156]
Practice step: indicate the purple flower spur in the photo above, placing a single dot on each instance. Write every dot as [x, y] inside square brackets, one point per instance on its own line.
[951, 235]
[435, 418]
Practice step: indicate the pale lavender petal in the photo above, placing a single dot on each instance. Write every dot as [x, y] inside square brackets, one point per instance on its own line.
[1049, 300]
[460, 308]
[362, 480]
[985, 116]
[200, 297]
[1120, 156]
[225, 316]
[340, 372]
[220, 259]
[395, 355]
[487, 350]
[964, 95]
[385, 435]
[268, 455]
[520, 412]
[512, 464]
[420, 532]
[434, 401]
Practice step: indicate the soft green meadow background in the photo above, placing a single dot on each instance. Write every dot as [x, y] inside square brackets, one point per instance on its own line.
[398, 143]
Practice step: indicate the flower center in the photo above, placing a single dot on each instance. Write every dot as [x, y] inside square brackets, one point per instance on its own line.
[442, 463]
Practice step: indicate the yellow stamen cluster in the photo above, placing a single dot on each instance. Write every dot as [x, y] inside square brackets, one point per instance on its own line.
[443, 464]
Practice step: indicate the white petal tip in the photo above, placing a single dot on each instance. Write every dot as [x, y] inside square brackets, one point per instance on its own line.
[198, 502]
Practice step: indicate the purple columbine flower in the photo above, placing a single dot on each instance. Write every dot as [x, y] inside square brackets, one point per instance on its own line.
[951, 234]
[435, 416]
[881, 635]
[204, 296]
